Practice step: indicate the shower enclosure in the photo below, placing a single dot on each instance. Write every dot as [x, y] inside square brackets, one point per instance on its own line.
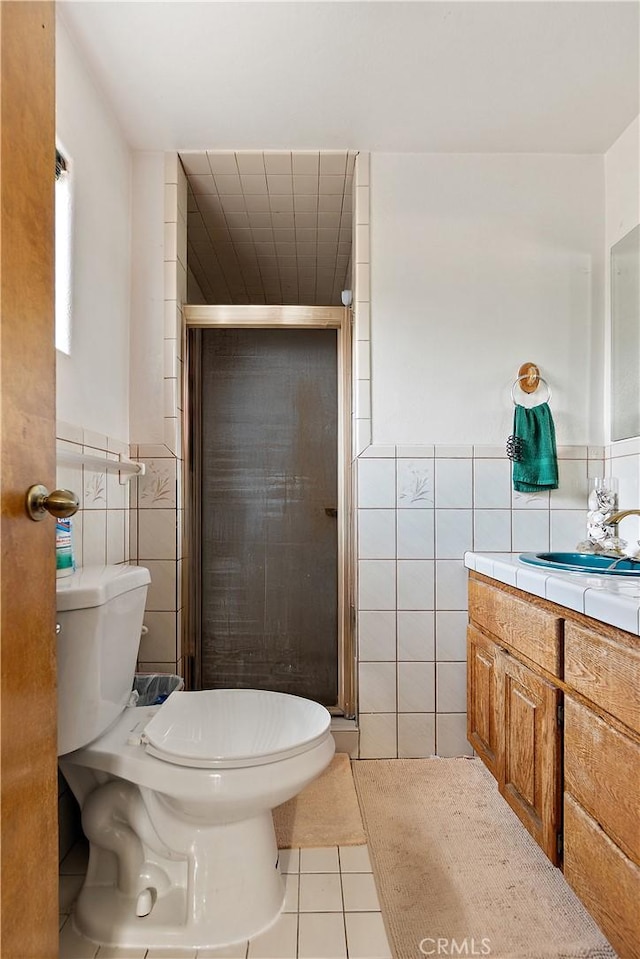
[268, 495]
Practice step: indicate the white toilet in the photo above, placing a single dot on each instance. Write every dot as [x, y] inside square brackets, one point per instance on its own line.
[176, 799]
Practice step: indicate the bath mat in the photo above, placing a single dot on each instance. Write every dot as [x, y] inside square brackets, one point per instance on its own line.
[326, 813]
[452, 861]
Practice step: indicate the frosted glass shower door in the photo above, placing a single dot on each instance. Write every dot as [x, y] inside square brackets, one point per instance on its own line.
[269, 461]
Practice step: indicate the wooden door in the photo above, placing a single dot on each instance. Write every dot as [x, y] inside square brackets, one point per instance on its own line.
[529, 757]
[269, 497]
[28, 766]
[482, 697]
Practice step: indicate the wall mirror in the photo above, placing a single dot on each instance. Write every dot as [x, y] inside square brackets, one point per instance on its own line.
[625, 336]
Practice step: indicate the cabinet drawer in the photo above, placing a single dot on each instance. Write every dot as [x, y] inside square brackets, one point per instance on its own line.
[604, 878]
[602, 771]
[604, 670]
[534, 632]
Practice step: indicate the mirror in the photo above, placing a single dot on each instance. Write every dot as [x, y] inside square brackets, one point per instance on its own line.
[625, 336]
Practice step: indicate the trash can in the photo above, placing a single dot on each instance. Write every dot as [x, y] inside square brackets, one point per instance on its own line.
[152, 689]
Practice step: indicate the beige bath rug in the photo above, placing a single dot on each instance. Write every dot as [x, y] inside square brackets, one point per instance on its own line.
[326, 813]
[452, 862]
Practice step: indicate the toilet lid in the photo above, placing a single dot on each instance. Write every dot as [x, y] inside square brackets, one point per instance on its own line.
[224, 728]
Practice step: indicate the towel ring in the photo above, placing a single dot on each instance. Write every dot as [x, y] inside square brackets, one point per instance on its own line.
[526, 376]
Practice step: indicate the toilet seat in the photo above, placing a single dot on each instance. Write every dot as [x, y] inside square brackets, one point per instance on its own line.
[232, 728]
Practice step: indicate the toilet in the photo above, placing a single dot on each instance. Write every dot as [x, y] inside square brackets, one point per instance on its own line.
[176, 799]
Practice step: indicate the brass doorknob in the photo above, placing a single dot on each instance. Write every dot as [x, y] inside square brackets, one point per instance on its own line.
[60, 503]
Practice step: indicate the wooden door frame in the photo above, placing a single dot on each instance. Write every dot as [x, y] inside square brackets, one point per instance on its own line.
[284, 317]
[28, 700]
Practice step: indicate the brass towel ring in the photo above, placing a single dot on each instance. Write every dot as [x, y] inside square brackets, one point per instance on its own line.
[526, 376]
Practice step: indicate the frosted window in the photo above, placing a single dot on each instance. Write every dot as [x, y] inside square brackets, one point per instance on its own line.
[63, 253]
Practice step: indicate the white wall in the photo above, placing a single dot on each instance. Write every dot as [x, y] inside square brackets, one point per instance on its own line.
[479, 263]
[147, 299]
[93, 382]
[622, 185]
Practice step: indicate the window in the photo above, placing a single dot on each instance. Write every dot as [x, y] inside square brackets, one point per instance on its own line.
[63, 253]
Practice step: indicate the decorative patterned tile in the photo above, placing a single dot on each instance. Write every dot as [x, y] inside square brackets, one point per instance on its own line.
[415, 484]
[94, 489]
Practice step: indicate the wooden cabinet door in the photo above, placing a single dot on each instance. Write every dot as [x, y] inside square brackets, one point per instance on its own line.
[482, 715]
[528, 759]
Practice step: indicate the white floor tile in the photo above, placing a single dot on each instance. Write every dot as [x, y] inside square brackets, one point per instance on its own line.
[289, 860]
[68, 891]
[320, 892]
[360, 893]
[121, 952]
[237, 951]
[74, 946]
[355, 859]
[319, 860]
[171, 952]
[366, 936]
[280, 941]
[290, 894]
[322, 936]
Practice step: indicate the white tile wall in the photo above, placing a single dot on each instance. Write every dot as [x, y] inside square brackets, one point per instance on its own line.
[156, 521]
[413, 602]
[101, 526]
[416, 637]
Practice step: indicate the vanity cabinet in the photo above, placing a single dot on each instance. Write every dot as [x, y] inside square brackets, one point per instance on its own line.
[513, 707]
[602, 779]
[553, 702]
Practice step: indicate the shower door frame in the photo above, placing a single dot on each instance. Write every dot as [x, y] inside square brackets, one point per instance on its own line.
[273, 318]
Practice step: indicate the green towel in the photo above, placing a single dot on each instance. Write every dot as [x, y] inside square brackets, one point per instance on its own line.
[537, 468]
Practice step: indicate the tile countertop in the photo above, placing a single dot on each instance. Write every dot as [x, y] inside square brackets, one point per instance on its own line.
[610, 599]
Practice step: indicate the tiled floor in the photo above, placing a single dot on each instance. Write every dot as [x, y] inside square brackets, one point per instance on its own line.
[331, 911]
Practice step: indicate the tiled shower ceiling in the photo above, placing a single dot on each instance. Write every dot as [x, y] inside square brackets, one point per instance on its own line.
[272, 227]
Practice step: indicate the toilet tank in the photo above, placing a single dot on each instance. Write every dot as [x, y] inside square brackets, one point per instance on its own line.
[99, 612]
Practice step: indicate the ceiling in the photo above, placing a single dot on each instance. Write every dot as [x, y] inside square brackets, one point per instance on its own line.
[479, 76]
[269, 227]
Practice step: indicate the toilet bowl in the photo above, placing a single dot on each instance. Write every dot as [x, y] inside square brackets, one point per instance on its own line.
[176, 799]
